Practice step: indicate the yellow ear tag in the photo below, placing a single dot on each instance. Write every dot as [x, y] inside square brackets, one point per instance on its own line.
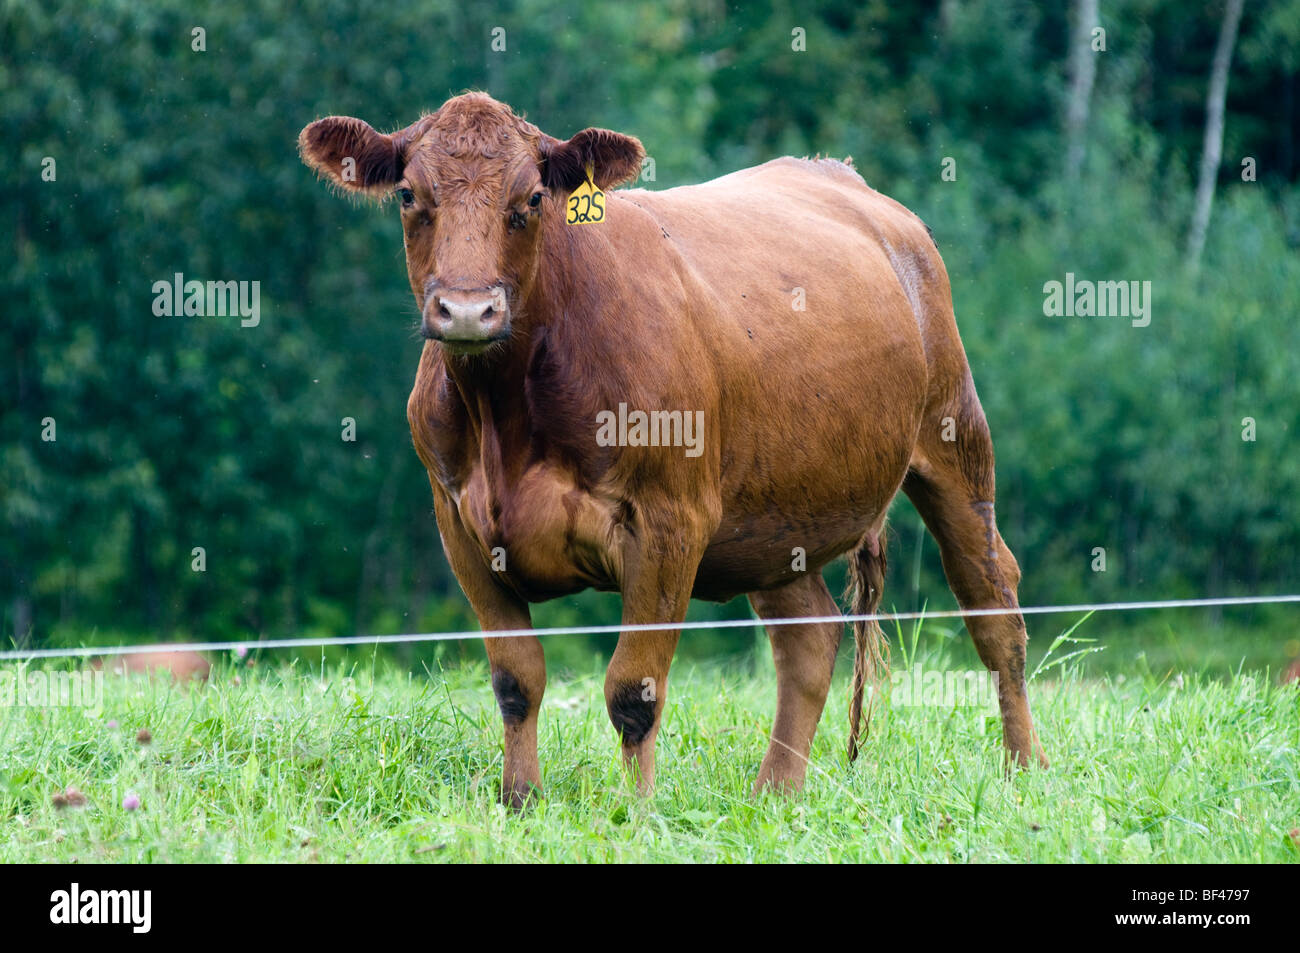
[586, 204]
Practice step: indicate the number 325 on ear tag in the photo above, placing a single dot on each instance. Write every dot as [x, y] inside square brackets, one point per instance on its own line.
[586, 204]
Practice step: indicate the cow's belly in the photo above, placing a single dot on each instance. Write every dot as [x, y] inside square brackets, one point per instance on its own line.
[762, 555]
[806, 481]
[773, 539]
[543, 535]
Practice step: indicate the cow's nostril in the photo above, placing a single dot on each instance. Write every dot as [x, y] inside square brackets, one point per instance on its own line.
[488, 312]
[443, 312]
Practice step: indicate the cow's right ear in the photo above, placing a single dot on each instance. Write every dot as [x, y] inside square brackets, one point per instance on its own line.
[352, 155]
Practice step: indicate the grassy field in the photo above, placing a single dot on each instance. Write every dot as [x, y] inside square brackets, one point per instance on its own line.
[300, 762]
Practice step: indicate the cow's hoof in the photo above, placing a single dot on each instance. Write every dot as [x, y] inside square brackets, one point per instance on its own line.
[1019, 760]
[783, 786]
[520, 795]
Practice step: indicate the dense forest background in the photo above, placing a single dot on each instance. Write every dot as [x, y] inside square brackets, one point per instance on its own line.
[1033, 145]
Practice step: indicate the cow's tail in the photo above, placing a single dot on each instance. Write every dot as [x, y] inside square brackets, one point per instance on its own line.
[871, 651]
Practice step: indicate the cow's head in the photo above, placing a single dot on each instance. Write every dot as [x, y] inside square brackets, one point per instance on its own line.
[473, 182]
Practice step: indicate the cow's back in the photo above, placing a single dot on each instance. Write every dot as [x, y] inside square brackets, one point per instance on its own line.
[805, 223]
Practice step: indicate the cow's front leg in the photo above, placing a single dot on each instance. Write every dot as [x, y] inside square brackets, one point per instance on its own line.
[517, 663]
[656, 588]
[518, 681]
[636, 688]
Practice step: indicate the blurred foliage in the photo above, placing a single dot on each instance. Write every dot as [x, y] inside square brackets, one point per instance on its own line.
[175, 433]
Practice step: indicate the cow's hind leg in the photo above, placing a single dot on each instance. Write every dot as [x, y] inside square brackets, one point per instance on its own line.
[951, 485]
[805, 659]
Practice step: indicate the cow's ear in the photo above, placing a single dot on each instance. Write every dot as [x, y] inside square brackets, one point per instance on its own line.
[352, 155]
[616, 159]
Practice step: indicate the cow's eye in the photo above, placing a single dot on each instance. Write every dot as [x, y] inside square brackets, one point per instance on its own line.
[536, 200]
[407, 197]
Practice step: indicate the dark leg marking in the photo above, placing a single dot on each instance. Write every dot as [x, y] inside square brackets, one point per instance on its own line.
[632, 715]
[510, 697]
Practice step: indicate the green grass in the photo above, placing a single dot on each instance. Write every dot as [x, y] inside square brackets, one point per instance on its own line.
[321, 763]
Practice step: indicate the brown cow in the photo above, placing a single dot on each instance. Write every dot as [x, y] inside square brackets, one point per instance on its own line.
[789, 328]
[181, 666]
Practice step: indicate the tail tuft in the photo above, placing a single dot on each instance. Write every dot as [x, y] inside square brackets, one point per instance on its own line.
[871, 651]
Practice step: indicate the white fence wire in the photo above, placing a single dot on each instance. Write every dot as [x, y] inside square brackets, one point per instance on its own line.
[92, 651]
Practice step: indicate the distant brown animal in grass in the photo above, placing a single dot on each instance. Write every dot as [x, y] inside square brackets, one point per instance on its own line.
[716, 390]
[181, 666]
[69, 797]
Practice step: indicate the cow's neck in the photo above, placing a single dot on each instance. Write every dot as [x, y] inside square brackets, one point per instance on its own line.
[492, 391]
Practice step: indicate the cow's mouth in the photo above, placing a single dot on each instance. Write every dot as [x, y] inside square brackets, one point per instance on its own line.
[470, 347]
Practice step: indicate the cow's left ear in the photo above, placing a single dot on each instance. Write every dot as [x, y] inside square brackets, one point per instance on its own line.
[616, 159]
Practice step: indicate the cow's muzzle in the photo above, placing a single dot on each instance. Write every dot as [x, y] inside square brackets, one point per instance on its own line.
[466, 320]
